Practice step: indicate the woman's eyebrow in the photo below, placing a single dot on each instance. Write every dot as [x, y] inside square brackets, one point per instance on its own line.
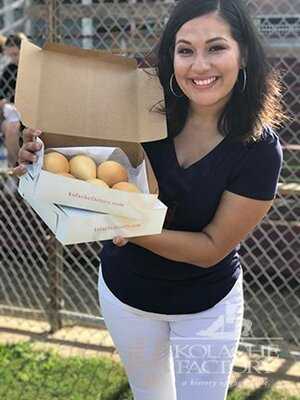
[215, 39]
[208, 41]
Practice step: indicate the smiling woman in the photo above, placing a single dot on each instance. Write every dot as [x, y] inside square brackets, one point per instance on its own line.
[169, 298]
[222, 103]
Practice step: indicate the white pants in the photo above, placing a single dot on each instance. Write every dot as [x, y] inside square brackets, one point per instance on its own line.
[176, 357]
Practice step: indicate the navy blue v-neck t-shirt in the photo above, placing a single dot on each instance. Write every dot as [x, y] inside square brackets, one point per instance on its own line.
[147, 281]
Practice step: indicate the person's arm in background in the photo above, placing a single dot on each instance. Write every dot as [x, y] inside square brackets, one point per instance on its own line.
[10, 129]
[11, 140]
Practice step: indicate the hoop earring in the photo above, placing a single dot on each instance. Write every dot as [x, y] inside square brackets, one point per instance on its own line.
[171, 87]
[244, 79]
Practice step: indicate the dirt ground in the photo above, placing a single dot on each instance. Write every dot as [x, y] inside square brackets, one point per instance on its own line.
[255, 372]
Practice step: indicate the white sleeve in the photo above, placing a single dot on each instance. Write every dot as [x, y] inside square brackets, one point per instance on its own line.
[10, 113]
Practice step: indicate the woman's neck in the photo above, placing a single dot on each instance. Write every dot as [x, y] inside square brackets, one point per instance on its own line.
[201, 125]
[206, 119]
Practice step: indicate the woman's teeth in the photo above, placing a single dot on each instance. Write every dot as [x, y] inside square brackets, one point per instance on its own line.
[204, 82]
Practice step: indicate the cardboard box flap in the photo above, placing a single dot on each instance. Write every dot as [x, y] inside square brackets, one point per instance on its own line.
[87, 93]
[104, 55]
[152, 181]
[28, 83]
[149, 94]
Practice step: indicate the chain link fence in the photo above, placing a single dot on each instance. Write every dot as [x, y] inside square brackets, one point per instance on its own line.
[43, 280]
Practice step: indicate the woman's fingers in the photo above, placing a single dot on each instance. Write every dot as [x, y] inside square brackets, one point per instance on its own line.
[27, 152]
[32, 147]
[26, 156]
[120, 241]
[30, 135]
[18, 171]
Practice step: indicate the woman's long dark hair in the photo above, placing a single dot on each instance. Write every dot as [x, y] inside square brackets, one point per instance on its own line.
[248, 111]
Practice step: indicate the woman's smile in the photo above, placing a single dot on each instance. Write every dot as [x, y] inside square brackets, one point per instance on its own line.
[205, 83]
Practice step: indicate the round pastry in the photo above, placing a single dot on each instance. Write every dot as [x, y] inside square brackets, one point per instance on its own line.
[112, 172]
[55, 162]
[83, 167]
[98, 182]
[127, 187]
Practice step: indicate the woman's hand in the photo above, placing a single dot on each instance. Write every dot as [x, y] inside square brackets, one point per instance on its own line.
[27, 152]
[120, 241]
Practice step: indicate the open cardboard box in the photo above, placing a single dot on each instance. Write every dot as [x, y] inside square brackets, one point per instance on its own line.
[53, 188]
[89, 98]
[73, 225]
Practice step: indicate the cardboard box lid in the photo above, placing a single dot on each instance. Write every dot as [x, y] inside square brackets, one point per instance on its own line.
[87, 93]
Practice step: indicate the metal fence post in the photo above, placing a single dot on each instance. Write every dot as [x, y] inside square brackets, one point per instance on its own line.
[55, 280]
[87, 28]
[53, 13]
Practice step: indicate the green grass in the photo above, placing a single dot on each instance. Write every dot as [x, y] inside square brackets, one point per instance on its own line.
[26, 374]
[34, 375]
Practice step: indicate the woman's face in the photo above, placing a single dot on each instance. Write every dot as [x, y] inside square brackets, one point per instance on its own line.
[206, 61]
